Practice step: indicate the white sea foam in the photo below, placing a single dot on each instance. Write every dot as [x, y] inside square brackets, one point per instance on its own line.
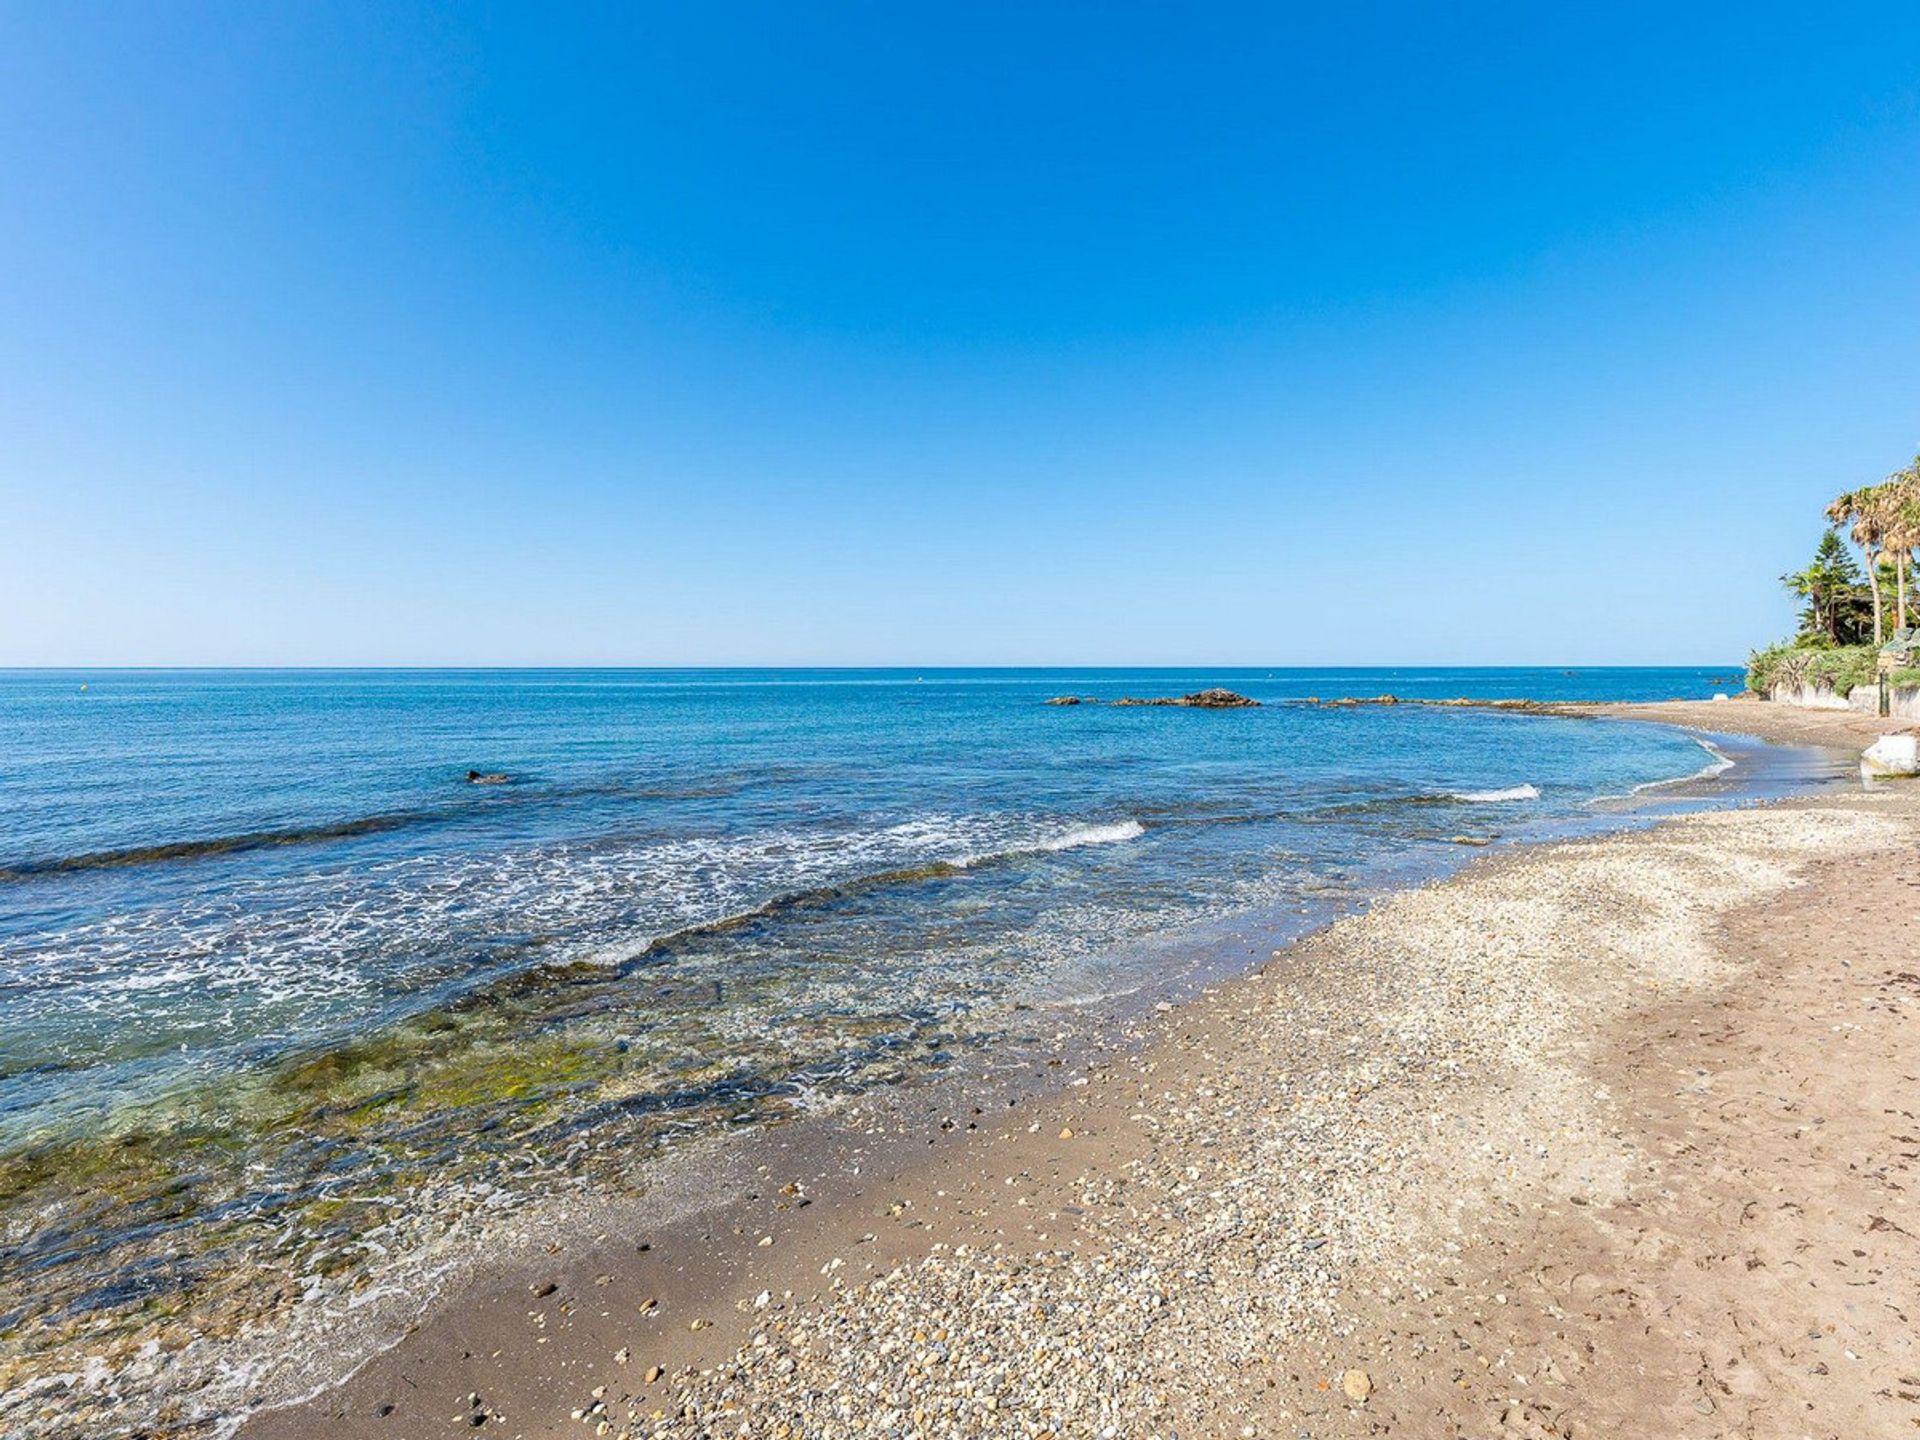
[1095, 835]
[336, 947]
[1494, 797]
[1718, 765]
[1111, 834]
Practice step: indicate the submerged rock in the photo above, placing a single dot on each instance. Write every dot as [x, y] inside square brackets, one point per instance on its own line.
[480, 777]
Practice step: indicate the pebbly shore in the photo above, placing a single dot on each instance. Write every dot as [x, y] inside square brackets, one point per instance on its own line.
[1182, 1235]
[1363, 1100]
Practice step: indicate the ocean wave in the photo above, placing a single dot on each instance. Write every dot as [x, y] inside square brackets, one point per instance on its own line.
[491, 800]
[265, 960]
[850, 887]
[220, 844]
[1495, 797]
[1719, 764]
[1093, 835]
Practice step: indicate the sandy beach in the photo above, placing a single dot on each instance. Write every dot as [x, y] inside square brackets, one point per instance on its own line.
[1782, 724]
[915, 723]
[1604, 1137]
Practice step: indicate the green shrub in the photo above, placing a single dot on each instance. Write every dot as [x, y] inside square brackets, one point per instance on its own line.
[1787, 663]
[1763, 666]
[1844, 668]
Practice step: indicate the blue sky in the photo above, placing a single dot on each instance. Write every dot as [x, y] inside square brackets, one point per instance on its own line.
[966, 334]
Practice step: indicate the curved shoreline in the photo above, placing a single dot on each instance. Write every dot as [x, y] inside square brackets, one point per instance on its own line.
[1764, 720]
[307, 1356]
[698, 1262]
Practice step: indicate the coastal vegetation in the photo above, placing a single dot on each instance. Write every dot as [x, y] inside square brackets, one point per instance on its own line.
[1792, 663]
[1851, 608]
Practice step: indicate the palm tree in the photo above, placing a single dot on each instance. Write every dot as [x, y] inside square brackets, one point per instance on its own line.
[1898, 499]
[1900, 544]
[1865, 512]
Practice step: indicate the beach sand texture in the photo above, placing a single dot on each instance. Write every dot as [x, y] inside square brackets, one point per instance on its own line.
[1603, 1138]
[1782, 724]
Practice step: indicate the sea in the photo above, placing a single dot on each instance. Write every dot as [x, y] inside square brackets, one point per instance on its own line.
[279, 945]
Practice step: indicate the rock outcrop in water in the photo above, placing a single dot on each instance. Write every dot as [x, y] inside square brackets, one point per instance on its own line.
[1200, 700]
[1069, 700]
[1566, 708]
[1346, 702]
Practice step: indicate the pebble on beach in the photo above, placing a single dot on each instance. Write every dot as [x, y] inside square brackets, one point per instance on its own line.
[1279, 1151]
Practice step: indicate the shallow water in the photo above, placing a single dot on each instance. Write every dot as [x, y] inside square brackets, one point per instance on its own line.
[267, 959]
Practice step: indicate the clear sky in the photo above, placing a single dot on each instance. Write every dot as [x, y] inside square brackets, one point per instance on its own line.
[717, 333]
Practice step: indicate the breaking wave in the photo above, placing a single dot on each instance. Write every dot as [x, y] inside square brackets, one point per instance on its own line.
[1495, 797]
[304, 956]
[818, 895]
[1719, 764]
[1091, 835]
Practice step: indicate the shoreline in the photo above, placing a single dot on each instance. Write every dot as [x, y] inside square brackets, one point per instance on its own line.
[917, 1197]
[1845, 730]
[199, 1369]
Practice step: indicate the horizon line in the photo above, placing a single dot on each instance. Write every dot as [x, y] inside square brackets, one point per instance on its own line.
[550, 667]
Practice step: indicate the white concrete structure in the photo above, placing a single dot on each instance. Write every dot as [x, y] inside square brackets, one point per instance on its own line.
[1892, 755]
[1903, 701]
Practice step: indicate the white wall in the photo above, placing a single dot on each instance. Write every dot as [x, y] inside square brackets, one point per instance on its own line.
[1903, 701]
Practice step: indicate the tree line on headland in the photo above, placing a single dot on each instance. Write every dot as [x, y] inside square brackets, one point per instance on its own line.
[1851, 610]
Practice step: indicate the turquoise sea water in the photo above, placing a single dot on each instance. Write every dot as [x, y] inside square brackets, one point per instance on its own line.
[262, 920]
[203, 870]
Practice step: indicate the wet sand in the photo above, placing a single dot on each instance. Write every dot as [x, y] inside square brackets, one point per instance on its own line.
[1604, 1137]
